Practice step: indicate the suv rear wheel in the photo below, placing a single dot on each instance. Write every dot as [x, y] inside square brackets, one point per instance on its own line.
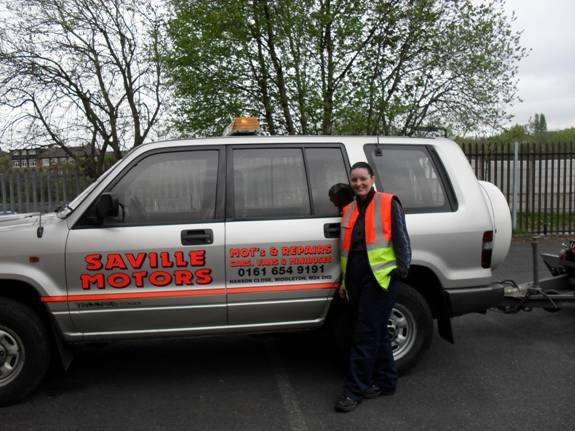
[410, 327]
[24, 351]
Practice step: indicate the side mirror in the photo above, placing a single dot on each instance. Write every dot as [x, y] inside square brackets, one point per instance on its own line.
[106, 206]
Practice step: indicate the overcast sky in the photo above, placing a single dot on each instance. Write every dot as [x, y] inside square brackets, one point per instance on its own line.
[547, 75]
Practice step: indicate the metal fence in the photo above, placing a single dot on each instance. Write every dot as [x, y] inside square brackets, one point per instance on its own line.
[536, 178]
[31, 190]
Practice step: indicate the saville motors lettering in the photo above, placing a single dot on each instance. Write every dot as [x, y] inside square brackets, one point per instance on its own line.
[121, 270]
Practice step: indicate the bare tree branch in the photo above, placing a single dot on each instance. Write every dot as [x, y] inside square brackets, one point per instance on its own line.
[91, 69]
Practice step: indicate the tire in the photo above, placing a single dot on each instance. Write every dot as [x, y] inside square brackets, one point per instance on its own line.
[410, 327]
[24, 351]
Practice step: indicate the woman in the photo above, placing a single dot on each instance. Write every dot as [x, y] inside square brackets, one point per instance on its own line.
[375, 254]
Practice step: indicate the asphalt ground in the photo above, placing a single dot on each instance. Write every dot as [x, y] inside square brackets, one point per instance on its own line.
[504, 372]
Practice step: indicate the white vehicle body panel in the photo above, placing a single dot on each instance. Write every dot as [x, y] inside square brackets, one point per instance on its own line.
[448, 243]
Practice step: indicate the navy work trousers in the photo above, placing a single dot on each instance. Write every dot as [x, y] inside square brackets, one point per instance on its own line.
[371, 355]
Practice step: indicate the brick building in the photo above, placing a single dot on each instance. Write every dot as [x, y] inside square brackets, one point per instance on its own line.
[43, 157]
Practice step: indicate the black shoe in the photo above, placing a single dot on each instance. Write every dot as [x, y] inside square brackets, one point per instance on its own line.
[375, 391]
[346, 404]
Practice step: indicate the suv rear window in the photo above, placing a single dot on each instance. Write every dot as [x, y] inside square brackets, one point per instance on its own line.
[413, 175]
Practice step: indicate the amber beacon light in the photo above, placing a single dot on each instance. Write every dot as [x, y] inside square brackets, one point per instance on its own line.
[243, 126]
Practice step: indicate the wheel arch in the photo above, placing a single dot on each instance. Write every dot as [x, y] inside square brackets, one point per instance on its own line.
[27, 294]
[21, 291]
[426, 282]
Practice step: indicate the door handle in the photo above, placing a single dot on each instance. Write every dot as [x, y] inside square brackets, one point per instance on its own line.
[197, 237]
[331, 230]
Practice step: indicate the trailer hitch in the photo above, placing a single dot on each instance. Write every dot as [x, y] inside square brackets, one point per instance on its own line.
[549, 293]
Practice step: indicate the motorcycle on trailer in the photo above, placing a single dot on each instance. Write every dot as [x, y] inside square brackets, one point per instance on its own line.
[549, 293]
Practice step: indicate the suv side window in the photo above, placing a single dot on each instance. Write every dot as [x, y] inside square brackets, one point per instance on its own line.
[326, 167]
[168, 188]
[411, 173]
[269, 182]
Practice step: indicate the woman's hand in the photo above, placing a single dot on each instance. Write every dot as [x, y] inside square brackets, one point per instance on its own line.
[343, 293]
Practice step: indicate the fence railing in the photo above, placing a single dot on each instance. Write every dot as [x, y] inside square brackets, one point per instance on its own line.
[537, 180]
[31, 190]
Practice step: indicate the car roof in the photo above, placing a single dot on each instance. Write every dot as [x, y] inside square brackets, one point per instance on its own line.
[283, 139]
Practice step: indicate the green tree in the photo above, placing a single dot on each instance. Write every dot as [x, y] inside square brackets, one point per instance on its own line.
[516, 133]
[342, 66]
[538, 124]
[542, 123]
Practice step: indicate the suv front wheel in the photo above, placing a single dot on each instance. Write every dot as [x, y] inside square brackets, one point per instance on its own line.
[24, 351]
[410, 327]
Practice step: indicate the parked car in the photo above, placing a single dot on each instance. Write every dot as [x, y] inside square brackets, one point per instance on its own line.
[7, 215]
[238, 235]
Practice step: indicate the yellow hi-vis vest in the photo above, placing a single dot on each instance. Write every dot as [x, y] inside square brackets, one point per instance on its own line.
[378, 236]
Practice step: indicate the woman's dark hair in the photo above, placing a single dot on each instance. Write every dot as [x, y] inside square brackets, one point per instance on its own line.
[363, 165]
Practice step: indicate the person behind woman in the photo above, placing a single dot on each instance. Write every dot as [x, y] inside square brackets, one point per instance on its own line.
[375, 254]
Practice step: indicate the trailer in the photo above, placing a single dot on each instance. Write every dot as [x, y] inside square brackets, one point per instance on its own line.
[551, 293]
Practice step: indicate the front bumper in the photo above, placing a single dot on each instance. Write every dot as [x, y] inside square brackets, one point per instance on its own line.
[475, 299]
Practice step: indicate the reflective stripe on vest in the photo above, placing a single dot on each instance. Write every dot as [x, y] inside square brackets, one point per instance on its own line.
[378, 236]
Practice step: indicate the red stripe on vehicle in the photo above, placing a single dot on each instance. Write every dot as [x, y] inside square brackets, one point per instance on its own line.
[135, 295]
[186, 293]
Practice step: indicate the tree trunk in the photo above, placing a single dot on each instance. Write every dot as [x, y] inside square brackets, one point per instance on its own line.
[280, 78]
[328, 91]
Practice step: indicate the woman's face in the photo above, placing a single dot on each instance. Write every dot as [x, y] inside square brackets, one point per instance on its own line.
[361, 182]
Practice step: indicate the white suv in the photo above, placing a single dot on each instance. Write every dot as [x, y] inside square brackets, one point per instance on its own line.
[237, 234]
